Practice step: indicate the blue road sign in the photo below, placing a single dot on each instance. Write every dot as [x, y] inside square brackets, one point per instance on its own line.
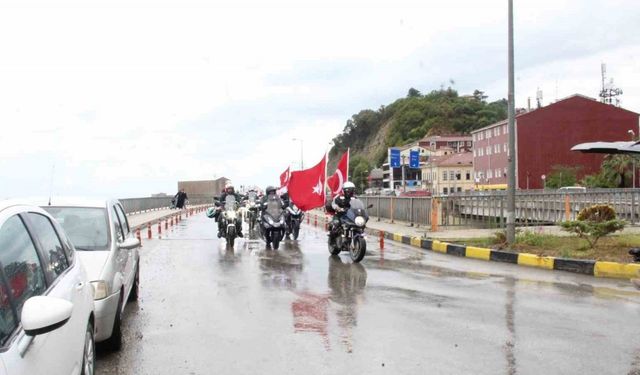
[394, 158]
[414, 159]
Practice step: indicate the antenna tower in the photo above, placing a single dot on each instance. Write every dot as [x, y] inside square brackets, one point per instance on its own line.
[609, 93]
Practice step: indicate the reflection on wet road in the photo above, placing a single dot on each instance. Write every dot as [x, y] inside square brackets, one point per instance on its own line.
[206, 309]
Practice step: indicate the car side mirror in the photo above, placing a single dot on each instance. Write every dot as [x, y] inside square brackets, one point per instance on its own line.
[129, 243]
[42, 314]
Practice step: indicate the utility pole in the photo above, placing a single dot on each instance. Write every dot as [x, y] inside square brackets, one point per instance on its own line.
[404, 182]
[511, 187]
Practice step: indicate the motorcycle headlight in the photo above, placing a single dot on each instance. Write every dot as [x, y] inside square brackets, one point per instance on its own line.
[231, 215]
[269, 220]
[360, 221]
[100, 289]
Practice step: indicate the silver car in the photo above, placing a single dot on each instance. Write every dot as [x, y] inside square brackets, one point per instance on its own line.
[107, 247]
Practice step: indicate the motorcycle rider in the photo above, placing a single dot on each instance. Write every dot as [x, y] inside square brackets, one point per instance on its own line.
[270, 193]
[340, 204]
[228, 190]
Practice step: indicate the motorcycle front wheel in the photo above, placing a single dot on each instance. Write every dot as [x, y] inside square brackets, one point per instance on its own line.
[296, 232]
[333, 249]
[358, 249]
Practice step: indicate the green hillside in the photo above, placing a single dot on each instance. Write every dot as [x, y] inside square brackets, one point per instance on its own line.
[441, 112]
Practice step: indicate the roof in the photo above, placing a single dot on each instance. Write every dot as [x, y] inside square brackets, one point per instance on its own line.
[574, 96]
[459, 159]
[68, 201]
[446, 138]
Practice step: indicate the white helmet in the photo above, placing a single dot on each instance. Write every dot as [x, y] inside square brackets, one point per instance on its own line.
[348, 185]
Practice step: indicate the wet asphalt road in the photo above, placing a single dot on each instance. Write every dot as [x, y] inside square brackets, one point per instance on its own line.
[205, 309]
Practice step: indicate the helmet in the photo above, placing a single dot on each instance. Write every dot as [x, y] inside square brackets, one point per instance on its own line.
[269, 190]
[228, 188]
[348, 189]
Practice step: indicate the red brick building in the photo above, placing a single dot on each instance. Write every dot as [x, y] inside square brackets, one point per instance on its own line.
[544, 138]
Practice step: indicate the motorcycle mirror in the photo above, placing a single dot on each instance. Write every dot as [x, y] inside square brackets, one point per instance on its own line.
[370, 206]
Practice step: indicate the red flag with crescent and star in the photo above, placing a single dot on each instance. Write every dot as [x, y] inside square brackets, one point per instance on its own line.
[306, 187]
[285, 177]
[341, 175]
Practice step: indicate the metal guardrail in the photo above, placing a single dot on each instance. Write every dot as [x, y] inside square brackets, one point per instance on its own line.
[488, 210]
[132, 205]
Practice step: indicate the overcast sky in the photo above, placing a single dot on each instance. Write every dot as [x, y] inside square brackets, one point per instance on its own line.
[124, 98]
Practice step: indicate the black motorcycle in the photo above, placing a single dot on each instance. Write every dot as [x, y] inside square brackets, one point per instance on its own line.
[350, 233]
[272, 223]
[252, 205]
[294, 219]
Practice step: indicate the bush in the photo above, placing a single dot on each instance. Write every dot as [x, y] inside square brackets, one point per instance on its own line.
[594, 223]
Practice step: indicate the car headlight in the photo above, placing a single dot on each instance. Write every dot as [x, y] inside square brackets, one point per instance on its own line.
[100, 289]
[360, 221]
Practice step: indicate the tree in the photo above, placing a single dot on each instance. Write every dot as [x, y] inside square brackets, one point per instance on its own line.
[617, 169]
[413, 93]
[598, 180]
[594, 223]
[562, 175]
[359, 169]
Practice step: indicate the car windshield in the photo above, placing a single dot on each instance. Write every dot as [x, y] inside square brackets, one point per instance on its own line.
[87, 227]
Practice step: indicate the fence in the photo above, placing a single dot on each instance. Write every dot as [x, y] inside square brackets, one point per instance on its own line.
[153, 203]
[488, 210]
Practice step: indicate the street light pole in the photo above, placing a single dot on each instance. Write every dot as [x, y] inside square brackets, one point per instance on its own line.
[301, 148]
[633, 159]
[511, 187]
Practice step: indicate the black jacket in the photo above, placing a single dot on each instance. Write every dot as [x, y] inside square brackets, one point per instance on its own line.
[180, 198]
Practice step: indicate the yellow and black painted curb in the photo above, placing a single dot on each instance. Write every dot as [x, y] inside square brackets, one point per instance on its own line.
[586, 267]
[581, 266]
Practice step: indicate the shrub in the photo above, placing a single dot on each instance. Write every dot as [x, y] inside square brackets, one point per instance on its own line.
[594, 223]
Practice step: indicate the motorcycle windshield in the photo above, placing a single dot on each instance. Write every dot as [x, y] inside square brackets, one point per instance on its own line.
[230, 203]
[252, 196]
[357, 208]
[274, 208]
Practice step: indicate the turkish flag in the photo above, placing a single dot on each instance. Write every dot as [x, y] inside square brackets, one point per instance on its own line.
[341, 175]
[285, 177]
[306, 188]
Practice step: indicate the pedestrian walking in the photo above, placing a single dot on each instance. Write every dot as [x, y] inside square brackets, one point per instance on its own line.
[180, 199]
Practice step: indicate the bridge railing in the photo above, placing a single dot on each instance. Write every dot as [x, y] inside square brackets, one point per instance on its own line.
[132, 205]
[488, 210]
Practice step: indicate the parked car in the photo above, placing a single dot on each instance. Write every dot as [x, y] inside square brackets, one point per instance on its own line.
[100, 231]
[415, 193]
[46, 301]
[572, 189]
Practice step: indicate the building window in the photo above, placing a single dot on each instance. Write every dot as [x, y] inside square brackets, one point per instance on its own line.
[444, 175]
[497, 130]
[488, 133]
[496, 149]
[468, 175]
[480, 136]
[488, 150]
[452, 175]
[489, 173]
[459, 189]
[473, 136]
[505, 172]
[505, 129]
[468, 143]
[445, 190]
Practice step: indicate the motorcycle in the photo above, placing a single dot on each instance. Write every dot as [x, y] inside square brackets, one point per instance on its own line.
[350, 232]
[229, 220]
[294, 219]
[272, 223]
[252, 208]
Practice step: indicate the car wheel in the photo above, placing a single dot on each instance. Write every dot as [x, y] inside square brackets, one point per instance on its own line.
[89, 353]
[114, 343]
[135, 289]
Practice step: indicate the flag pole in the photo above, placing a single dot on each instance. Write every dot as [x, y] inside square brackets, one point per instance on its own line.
[324, 190]
[348, 160]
